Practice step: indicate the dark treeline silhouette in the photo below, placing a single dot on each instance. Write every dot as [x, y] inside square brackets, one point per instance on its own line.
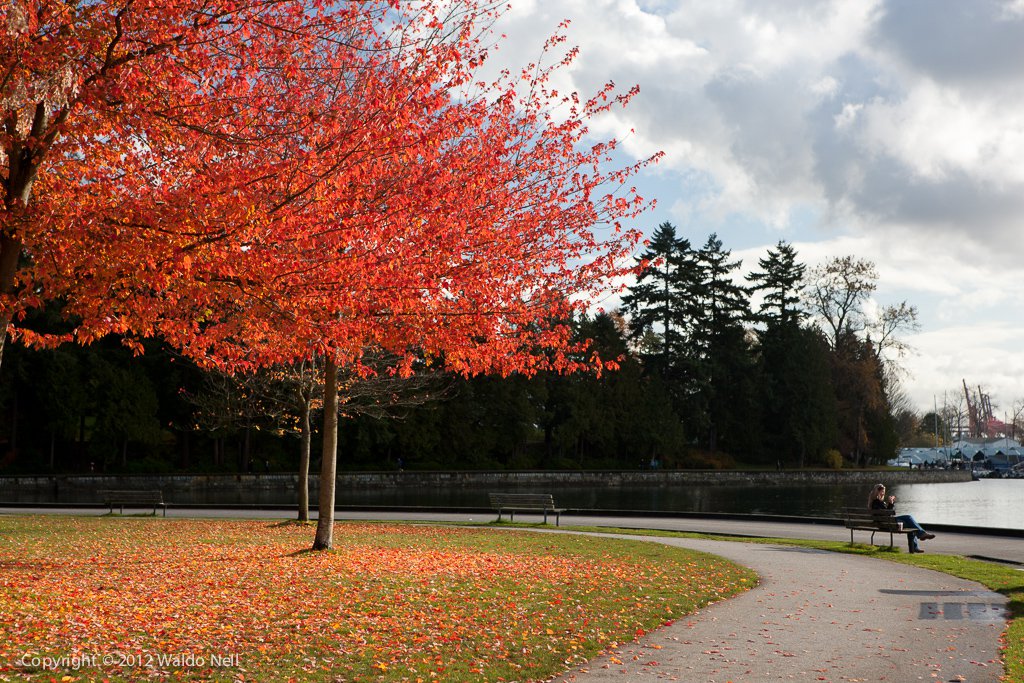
[705, 378]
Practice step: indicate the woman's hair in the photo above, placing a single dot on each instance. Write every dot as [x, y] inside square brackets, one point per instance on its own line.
[874, 493]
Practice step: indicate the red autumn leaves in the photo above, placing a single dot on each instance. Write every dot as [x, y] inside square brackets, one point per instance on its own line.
[254, 182]
[402, 602]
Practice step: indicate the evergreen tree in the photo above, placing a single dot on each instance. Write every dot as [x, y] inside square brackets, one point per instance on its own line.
[658, 304]
[81, 409]
[618, 420]
[799, 405]
[781, 279]
[723, 362]
[633, 423]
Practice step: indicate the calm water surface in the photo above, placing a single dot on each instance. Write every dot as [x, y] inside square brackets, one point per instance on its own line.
[988, 503]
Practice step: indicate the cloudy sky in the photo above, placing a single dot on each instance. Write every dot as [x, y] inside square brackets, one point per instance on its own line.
[891, 130]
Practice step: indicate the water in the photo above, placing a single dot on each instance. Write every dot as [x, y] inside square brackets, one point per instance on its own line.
[991, 503]
[988, 503]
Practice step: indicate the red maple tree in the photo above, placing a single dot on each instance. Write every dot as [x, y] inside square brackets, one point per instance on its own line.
[259, 181]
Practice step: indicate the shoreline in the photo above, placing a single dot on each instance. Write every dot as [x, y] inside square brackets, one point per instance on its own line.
[479, 479]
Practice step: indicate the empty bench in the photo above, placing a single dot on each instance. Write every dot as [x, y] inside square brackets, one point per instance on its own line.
[866, 519]
[122, 499]
[525, 502]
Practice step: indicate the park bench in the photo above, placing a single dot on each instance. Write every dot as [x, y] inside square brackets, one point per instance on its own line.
[866, 519]
[121, 499]
[525, 502]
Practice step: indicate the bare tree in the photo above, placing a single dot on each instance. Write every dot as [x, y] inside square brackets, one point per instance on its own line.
[884, 330]
[836, 293]
[836, 296]
[1017, 421]
[280, 399]
[906, 416]
[954, 414]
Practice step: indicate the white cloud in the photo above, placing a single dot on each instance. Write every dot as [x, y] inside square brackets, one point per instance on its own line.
[982, 355]
[891, 130]
[936, 130]
[848, 116]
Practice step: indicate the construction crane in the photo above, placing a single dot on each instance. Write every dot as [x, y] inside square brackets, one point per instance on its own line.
[972, 414]
[979, 412]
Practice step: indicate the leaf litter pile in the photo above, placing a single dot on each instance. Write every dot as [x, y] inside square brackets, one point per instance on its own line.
[135, 599]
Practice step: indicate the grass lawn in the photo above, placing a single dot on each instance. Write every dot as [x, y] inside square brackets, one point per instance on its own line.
[112, 598]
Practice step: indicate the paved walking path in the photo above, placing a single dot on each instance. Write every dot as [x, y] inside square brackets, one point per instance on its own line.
[819, 616]
[815, 616]
[960, 542]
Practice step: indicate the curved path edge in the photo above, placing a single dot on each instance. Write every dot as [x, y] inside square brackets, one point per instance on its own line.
[815, 616]
[820, 616]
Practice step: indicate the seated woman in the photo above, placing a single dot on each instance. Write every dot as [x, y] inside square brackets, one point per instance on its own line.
[878, 501]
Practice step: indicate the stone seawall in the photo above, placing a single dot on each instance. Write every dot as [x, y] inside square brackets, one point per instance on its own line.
[478, 479]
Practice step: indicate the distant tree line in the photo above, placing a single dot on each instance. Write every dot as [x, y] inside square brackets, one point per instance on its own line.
[783, 366]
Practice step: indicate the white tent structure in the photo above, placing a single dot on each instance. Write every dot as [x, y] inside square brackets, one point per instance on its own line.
[914, 457]
[999, 454]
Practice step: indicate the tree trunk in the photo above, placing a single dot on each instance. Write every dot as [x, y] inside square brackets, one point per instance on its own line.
[5, 321]
[304, 464]
[328, 470]
[14, 425]
[186, 460]
[246, 452]
[858, 455]
[80, 450]
[10, 250]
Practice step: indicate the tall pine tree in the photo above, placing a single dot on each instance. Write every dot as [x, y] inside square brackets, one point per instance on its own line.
[781, 280]
[724, 368]
[657, 303]
[798, 404]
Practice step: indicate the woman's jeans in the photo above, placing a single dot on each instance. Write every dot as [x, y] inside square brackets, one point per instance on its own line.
[910, 523]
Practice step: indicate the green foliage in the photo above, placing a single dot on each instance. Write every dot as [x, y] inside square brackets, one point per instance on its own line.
[797, 394]
[659, 303]
[781, 282]
[833, 459]
[621, 419]
[700, 380]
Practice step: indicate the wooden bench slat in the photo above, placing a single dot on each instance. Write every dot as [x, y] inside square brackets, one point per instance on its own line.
[525, 502]
[865, 519]
[133, 497]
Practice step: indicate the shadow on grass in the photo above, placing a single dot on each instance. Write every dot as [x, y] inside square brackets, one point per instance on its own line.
[309, 552]
[152, 515]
